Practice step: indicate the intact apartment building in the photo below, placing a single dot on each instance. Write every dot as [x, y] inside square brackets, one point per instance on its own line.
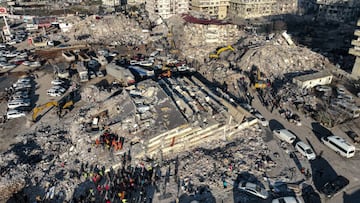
[356, 52]
[260, 8]
[215, 8]
[166, 8]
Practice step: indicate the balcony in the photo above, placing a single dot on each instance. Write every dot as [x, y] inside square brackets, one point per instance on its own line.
[355, 42]
[357, 33]
[354, 52]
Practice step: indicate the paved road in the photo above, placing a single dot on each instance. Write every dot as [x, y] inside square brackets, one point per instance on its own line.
[330, 164]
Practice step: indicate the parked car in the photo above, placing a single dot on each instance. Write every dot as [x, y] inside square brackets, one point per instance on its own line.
[35, 64]
[354, 137]
[323, 88]
[340, 90]
[11, 114]
[261, 119]
[25, 79]
[254, 189]
[57, 82]
[54, 93]
[7, 65]
[286, 200]
[285, 135]
[22, 85]
[26, 63]
[18, 103]
[305, 150]
[332, 187]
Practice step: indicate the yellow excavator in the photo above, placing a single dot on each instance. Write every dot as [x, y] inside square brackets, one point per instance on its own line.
[65, 103]
[260, 83]
[219, 51]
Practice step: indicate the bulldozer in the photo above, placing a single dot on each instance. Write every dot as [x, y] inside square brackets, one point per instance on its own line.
[66, 103]
[219, 51]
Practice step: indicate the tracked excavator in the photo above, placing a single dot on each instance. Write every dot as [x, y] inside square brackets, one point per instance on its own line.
[219, 51]
[65, 104]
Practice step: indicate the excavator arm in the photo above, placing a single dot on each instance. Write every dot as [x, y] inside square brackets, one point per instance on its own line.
[219, 51]
[40, 108]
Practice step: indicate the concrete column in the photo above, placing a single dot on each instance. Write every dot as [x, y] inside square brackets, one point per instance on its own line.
[356, 69]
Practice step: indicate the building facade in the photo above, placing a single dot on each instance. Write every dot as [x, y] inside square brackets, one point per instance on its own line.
[111, 3]
[337, 10]
[215, 8]
[260, 8]
[356, 52]
[166, 8]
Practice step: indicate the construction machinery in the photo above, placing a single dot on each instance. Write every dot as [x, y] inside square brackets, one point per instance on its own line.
[170, 38]
[260, 83]
[219, 51]
[65, 103]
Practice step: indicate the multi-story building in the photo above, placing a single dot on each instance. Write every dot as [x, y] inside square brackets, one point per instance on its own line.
[260, 8]
[214, 8]
[133, 2]
[356, 52]
[111, 3]
[337, 10]
[166, 8]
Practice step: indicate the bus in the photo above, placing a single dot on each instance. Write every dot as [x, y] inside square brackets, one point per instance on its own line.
[339, 145]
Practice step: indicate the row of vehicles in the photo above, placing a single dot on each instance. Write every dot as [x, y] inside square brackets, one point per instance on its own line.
[21, 98]
[58, 89]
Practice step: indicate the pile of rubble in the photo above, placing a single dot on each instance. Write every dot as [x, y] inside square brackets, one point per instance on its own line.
[108, 29]
[211, 162]
[277, 58]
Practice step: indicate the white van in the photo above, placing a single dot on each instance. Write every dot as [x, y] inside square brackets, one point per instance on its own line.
[305, 150]
[339, 145]
[285, 135]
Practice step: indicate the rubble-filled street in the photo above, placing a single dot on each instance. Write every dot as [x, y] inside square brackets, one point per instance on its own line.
[122, 106]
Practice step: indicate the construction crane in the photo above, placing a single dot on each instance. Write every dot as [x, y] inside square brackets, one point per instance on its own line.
[65, 103]
[219, 51]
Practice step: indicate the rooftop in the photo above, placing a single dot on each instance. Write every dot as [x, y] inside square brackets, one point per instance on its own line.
[312, 76]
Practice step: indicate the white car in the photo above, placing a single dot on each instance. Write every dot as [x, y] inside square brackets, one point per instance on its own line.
[26, 63]
[56, 89]
[26, 79]
[35, 64]
[113, 54]
[254, 189]
[55, 93]
[11, 114]
[20, 85]
[323, 88]
[8, 65]
[145, 63]
[305, 150]
[286, 200]
[261, 119]
[57, 82]
[18, 103]
[340, 90]
[134, 62]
